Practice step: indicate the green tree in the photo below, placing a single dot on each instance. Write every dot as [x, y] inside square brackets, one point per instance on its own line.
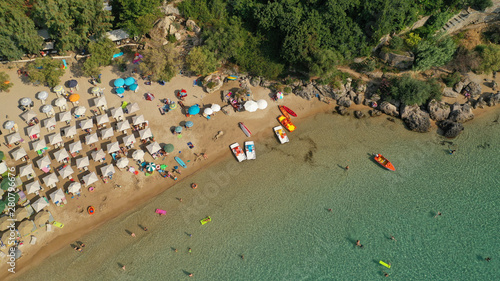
[225, 39]
[324, 63]
[201, 61]
[162, 61]
[47, 71]
[5, 83]
[18, 35]
[490, 55]
[136, 16]
[71, 22]
[412, 91]
[434, 52]
[481, 4]
[101, 54]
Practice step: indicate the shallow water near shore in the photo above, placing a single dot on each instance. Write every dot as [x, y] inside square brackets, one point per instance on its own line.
[274, 212]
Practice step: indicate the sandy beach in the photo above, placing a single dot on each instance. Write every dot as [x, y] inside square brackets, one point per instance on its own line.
[136, 189]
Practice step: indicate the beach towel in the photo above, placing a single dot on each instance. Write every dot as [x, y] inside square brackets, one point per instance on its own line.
[124, 104]
[190, 145]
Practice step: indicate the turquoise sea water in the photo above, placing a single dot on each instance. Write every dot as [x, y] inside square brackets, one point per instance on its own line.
[274, 211]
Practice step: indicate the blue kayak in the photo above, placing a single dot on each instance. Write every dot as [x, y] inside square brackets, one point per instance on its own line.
[179, 160]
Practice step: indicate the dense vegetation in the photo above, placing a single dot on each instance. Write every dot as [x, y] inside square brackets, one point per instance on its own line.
[46, 71]
[413, 91]
[5, 83]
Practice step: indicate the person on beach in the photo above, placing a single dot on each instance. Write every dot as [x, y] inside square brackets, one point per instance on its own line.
[78, 249]
[123, 267]
[190, 275]
[82, 245]
[194, 185]
[242, 257]
[180, 199]
[189, 250]
[452, 151]
[175, 250]
[438, 214]
[205, 156]
[386, 274]
[347, 167]
[132, 234]
[145, 228]
[392, 238]
[329, 210]
[358, 243]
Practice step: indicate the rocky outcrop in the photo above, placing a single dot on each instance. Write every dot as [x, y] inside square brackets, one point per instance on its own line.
[493, 99]
[374, 112]
[307, 91]
[341, 110]
[358, 114]
[438, 111]
[388, 108]
[191, 25]
[255, 81]
[265, 83]
[473, 88]
[359, 98]
[416, 119]
[458, 87]
[450, 129]
[214, 81]
[344, 101]
[461, 113]
[449, 92]
[399, 61]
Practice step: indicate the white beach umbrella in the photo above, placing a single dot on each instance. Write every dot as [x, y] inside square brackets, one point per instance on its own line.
[59, 89]
[108, 170]
[43, 162]
[39, 204]
[122, 163]
[42, 96]
[215, 107]
[106, 133]
[138, 155]
[86, 124]
[128, 140]
[117, 112]
[100, 101]
[144, 134]
[69, 131]
[33, 187]
[57, 196]
[98, 155]
[46, 108]
[90, 139]
[60, 102]
[208, 111]
[113, 147]
[136, 120]
[262, 104]
[74, 187]
[9, 124]
[251, 106]
[33, 130]
[28, 115]
[55, 138]
[153, 147]
[18, 153]
[25, 101]
[13, 138]
[61, 154]
[82, 162]
[133, 107]
[96, 90]
[66, 172]
[90, 179]
[64, 116]
[101, 119]
[49, 122]
[26, 170]
[80, 110]
[123, 125]
[75, 146]
[50, 180]
[39, 145]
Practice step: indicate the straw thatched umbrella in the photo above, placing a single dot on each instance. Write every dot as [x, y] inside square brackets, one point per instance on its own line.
[61, 155]
[133, 107]
[86, 124]
[13, 138]
[21, 213]
[66, 172]
[122, 163]
[82, 162]
[113, 147]
[42, 218]
[74, 188]
[75, 147]
[33, 187]
[144, 134]
[138, 155]
[26, 170]
[50, 180]
[57, 196]
[153, 147]
[18, 153]
[39, 204]
[55, 139]
[136, 120]
[122, 126]
[43, 162]
[128, 140]
[49, 123]
[26, 227]
[5, 222]
[90, 139]
[98, 155]
[28, 115]
[106, 133]
[101, 119]
[108, 170]
[64, 116]
[117, 113]
[70, 131]
[90, 179]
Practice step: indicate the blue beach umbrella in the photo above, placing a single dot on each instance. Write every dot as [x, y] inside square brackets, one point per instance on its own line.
[133, 87]
[72, 83]
[189, 124]
[193, 110]
[119, 82]
[129, 81]
[120, 90]
[178, 129]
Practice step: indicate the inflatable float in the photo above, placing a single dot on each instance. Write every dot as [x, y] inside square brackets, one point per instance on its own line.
[205, 220]
[385, 264]
[91, 210]
[161, 212]
[58, 224]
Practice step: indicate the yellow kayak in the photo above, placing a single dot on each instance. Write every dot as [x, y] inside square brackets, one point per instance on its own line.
[58, 224]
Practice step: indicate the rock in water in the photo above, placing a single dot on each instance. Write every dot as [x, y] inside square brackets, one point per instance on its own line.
[451, 129]
[461, 113]
[416, 119]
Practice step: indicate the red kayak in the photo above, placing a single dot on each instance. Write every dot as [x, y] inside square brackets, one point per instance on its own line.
[284, 112]
[245, 129]
[289, 111]
[384, 162]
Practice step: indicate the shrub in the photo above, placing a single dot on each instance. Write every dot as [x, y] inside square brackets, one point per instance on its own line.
[210, 84]
[5, 84]
[452, 79]
[413, 39]
[396, 43]
[490, 55]
[287, 90]
[412, 91]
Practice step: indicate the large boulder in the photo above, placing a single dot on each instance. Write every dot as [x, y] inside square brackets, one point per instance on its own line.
[255, 81]
[388, 108]
[398, 61]
[341, 110]
[344, 101]
[451, 129]
[190, 24]
[461, 113]
[265, 83]
[306, 92]
[416, 119]
[474, 89]
[493, 99]
[458, 87]
[359, 98]
[438, 111]
[162, 27]
[358, 114]
[449, 92]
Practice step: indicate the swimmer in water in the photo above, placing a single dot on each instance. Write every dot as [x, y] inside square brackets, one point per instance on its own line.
[438, 214]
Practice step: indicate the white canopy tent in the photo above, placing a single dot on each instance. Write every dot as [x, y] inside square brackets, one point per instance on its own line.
[90, 179]
[40, 204]
[61, 155]
[26, 170]
[18, 153]
[144, 134]
[106, 133]
[108, 170]
[33, 187]
[113, 147]
[50, 180]
[82, 162]
[74, 147]
[153, 147]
